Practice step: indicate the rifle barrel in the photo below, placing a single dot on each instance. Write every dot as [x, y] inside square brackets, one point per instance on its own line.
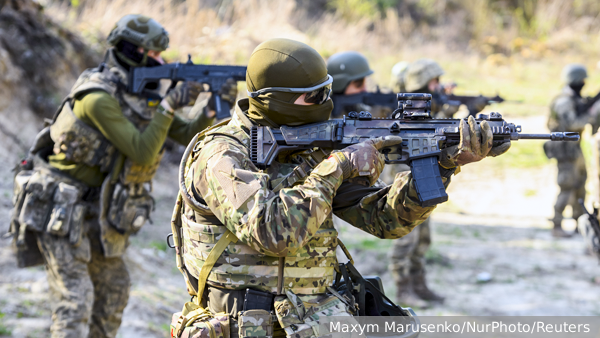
[558, 136]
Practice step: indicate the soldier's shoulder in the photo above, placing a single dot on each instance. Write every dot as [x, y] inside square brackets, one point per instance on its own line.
[562, 104]
[229, 137]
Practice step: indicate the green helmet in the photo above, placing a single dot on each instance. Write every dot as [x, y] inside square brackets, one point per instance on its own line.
[141, 31]
[346, 67]
[420, 72]
[573, 73]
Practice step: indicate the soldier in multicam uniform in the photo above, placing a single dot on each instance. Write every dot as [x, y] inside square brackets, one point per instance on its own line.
[566, 114]
[256, 241]
[89, 187]
[350, 71]
[407, 257]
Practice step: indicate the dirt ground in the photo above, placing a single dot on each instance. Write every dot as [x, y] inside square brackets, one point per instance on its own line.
[496, 222]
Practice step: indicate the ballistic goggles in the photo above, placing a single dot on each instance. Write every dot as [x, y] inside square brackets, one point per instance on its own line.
[318, 94]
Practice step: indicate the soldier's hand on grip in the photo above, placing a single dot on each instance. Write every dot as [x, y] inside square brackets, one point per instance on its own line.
[184, 94]
[475, 144]
[228, 92]
[365, 158]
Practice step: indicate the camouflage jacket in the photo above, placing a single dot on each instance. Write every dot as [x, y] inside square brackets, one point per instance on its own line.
[564, 114]
[294, 223]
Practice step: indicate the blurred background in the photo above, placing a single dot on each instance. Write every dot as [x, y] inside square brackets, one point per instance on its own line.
[495, 224]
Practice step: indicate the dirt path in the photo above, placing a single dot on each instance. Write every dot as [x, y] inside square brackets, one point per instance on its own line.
[495, 222]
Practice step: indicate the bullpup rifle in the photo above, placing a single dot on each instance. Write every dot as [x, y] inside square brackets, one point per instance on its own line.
[213, 75]
[376, 98]
[423, 139]
[470, 101]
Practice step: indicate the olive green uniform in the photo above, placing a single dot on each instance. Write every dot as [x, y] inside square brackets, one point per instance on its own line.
[89, 280]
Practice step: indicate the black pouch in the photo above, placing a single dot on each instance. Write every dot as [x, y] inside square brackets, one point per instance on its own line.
[258, 300]
[129, 208]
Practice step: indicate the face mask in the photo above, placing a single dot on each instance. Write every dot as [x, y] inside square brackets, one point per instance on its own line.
[577, 87]
[273, 112]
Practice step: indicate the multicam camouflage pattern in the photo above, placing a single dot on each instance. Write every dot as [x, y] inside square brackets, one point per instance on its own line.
[295, 223]
[364, 159]
[420, 72]
[300, 316]
[408, 253]
[140, 30]
[88, 291]
[572, 173]
[255, 324]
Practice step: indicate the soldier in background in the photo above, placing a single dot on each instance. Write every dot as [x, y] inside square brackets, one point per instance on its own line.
[350, 71]
[567, 114]
[86, 187]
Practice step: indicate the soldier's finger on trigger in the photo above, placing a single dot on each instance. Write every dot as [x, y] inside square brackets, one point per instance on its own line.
[476, 142]
[486, 137]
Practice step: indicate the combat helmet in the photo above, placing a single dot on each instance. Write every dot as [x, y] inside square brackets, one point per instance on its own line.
[346, 67]
[399, 76]
[420, 72]
[141, 31]
[573, 73]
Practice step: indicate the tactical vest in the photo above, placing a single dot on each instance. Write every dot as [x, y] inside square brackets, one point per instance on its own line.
[81, 143]
[310, 270]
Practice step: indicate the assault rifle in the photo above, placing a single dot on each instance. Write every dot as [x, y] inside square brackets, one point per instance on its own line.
[585, 107]
[470, 101]
[423, 138]
[370, 99]
[593, 217]
[213, 75]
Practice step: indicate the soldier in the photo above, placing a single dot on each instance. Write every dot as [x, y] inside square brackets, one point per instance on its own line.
[350, 71]
[261, 240]
[102, 150]
[566, 115]
[407, 257]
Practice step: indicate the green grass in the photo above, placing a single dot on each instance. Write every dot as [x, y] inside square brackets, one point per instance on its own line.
[159, 245]
[4, 331]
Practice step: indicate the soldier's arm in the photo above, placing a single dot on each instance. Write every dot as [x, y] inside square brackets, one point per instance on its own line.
[102, 111]
[182, 131]
[241, 198]
[567, 117]
[391, 212]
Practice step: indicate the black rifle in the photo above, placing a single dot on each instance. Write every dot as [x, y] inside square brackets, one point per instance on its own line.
[213, 75]
[593, 217]
[370, 99]
[469, 101]
[589, 102]
[423, 138]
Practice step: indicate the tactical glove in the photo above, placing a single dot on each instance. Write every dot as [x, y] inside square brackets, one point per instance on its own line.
[228, 92]
[364, 159]
[475, 144]
[184, 94]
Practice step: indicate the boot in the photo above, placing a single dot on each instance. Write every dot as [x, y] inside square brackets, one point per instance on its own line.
[407, 297]
[558, 231]
[421, 289]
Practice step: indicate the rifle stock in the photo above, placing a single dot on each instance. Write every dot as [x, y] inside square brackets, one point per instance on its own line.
[423, 139]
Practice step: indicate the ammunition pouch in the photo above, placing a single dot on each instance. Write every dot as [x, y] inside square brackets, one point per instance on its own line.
[45, 201]
[129, 208]
[563, 151]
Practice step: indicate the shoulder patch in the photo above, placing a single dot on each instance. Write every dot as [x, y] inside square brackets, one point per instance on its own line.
[238, 184]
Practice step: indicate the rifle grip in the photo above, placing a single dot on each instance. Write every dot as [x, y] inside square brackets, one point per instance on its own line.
[428, 181]
[221, 107]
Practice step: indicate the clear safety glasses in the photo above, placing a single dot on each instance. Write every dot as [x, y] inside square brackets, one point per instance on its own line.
[318, 94]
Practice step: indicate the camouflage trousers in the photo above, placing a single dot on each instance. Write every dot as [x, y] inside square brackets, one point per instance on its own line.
[408, 253]
[88, 291]
[571, 180]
